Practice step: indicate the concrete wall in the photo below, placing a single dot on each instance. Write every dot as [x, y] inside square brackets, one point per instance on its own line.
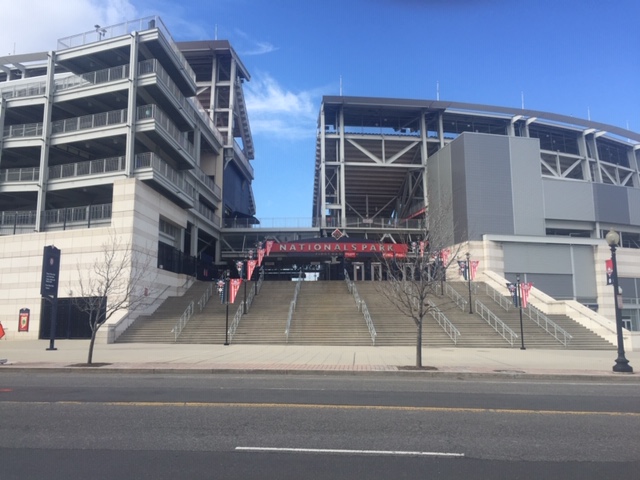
[136, 210]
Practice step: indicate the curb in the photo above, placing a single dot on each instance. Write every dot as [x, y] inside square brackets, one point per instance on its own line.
[395, 371]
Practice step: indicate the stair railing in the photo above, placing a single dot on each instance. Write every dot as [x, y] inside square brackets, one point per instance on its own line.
[292, 307]
[205, 297]
[361, 306]
[544, 322]
[184, 318]
[236, 321]
[369, 321]
[449, 328]
[455, 296]
[498, 325]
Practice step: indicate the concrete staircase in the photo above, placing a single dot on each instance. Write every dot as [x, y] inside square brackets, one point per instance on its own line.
[266, 321]
[156, 328]
[395, 329]
[534, 335]
[209, 326]
[326, 314]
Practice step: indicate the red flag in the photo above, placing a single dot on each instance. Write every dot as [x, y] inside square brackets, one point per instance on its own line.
[609, 266]
[1, 331]
[269, 247]
[234, 287]
[260, 256]
[474, 268]
[444, 255]
[251, 264]
[524, 293]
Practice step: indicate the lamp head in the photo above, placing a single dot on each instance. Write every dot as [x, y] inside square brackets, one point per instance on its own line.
[612, 238]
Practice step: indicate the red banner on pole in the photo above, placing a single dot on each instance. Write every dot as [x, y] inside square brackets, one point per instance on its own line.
[260, 256]
[525, 288]
[234, 287]
[609, 266]
[474, 268]
[251, 265]
[269, 247]
[1, 331]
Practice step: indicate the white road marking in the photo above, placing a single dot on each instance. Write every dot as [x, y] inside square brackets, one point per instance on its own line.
[351, 452]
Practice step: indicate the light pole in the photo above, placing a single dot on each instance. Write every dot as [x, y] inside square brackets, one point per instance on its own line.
[468, 255]
[519, 302]
[622, 364]
[227, 276]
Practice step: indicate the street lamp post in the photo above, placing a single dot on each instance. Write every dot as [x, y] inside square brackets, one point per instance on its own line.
[227, 276]
[519, 301]
[468, 255]
[622, 364]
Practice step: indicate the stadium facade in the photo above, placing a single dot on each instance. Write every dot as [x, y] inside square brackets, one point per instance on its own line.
[122, 131]
[525, 192]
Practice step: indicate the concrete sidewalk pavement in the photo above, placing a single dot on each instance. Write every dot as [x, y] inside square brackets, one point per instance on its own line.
[449, 362]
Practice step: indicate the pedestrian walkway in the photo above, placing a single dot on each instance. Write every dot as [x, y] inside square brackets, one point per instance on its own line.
[442, 362]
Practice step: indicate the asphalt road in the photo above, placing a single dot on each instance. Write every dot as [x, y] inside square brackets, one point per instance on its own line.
[62, 425]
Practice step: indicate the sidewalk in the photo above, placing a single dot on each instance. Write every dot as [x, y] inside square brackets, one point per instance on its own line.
[32, 355]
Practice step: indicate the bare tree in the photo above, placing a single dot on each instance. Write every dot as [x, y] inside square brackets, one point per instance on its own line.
[415, 279]
[113, 283]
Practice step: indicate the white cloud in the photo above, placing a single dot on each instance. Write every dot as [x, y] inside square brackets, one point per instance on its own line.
[280, 112]
[37, 25]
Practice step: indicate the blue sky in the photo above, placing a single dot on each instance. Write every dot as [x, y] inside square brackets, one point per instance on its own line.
[571, 57]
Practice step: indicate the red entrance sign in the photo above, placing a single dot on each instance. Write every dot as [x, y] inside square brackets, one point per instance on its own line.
[336, 248]
[23, 320]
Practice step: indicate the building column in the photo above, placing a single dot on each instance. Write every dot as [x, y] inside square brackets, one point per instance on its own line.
[131, 106]
[44, 150]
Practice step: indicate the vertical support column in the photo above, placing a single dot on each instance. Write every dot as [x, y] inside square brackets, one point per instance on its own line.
[232, 102]
[584, 153]
[441, 128]
[212, 96]
[44, 150]
[322, 213]
[424, 152]
[594, 148]
[3, 107]
[131, 105]
[342, 174]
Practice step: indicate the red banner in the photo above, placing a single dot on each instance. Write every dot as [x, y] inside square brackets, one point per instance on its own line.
[251, 265]
[609, 267]
[269, 247]
[474, 268]
[234, 285]
[386, 249]
[260, 256]
[1, 331]
[444, 255]
[525, 288]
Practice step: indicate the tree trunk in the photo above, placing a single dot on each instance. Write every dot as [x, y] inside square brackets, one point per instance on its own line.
[419, 345]
[93, 340]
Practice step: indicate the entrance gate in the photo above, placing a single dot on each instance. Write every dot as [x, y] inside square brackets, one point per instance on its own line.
[358, 271]
[376, 271]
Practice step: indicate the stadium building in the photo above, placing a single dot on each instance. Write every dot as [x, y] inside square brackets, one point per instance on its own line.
[123, 132]
[119, 131]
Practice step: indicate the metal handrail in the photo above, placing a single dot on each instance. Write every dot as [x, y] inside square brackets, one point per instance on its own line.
[369, 321]
[448, 327]
[292, 307]
[361, 306]
[544, 322]
[184, 318]
[548, 325]
[205, 297]
[498, 325]
[460, 301]
[236, 321]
